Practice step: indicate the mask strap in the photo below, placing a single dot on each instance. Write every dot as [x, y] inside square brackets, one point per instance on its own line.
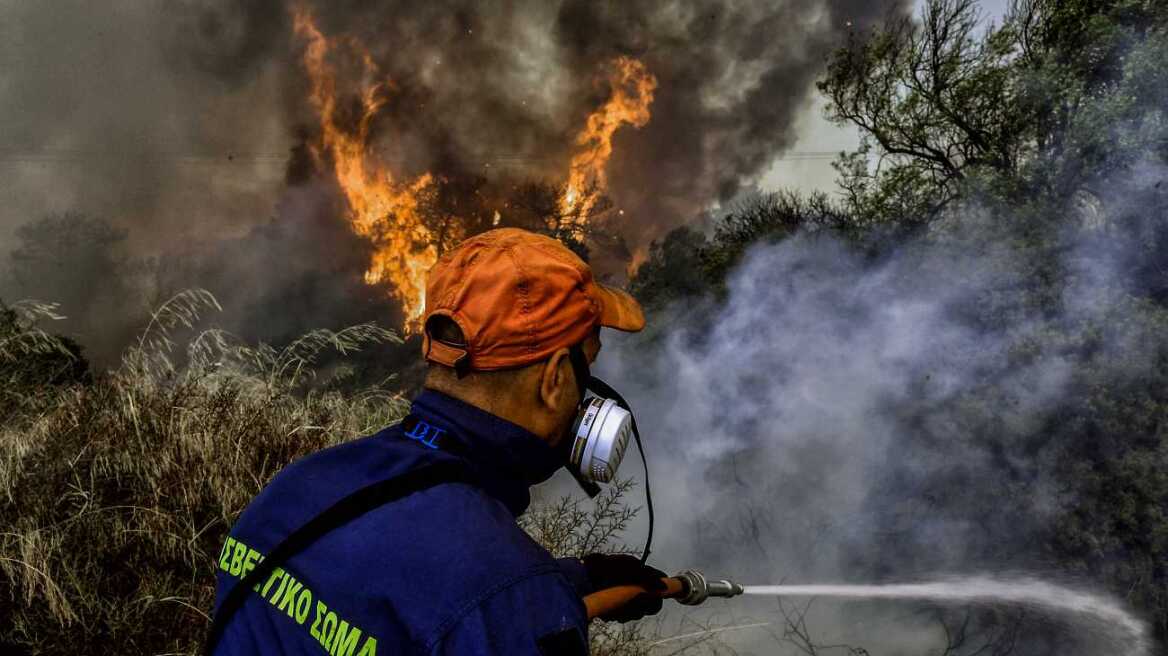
[604, 389]
[580, 369]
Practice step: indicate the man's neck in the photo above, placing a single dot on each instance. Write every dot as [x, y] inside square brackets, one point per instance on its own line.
[496, 404]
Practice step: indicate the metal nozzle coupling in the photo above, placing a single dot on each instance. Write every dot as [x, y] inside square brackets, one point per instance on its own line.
[698, 588]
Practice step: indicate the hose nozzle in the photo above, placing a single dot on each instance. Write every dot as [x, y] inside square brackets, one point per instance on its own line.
[689, 587]
[697, 588]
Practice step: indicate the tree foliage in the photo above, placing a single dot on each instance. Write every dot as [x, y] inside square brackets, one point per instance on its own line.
[932, 101]
[1045, 138]
[1056, 98]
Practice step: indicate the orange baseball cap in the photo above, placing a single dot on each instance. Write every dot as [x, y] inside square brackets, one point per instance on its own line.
[518, 297]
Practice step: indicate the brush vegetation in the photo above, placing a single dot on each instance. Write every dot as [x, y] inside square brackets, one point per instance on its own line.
[117, 489]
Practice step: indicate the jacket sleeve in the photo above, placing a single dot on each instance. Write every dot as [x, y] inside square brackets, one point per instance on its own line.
[573, 570]
[538, 615]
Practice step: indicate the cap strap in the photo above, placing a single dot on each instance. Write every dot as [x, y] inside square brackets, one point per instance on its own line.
[447, 354]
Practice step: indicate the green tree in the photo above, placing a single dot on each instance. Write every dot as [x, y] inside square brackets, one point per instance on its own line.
[687, 263]
[932, 101]
[1056, 98]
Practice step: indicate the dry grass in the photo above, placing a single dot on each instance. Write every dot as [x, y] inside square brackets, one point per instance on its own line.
[116, 491]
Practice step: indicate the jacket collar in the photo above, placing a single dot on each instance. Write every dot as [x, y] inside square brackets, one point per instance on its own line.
[507, 458]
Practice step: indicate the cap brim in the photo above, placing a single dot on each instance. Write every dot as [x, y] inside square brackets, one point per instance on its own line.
[619, 310]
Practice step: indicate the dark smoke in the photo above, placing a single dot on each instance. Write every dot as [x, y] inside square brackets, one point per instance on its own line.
[732, 79]
[175, 120]
[479, 86]
[101, 115]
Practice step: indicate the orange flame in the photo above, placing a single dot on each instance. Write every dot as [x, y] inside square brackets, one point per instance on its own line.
[386, 211]
[632, 93]
[380, 208]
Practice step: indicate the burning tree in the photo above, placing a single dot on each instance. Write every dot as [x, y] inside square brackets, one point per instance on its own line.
[412, 221]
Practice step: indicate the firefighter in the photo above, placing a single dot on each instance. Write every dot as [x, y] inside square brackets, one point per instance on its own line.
[406, 541]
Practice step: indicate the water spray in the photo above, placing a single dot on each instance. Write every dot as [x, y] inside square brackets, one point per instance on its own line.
[1131, 631]
[691, 588]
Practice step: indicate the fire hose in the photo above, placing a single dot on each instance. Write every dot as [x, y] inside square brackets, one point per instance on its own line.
[689, 587]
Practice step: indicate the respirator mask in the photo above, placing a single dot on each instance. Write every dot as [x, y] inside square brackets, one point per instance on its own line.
[599, 435]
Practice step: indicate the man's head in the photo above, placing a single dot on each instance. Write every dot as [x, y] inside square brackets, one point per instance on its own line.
[542, 397]
[503, 313]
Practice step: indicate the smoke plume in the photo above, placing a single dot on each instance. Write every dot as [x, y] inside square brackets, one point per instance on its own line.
[841, 420]
[183, 121]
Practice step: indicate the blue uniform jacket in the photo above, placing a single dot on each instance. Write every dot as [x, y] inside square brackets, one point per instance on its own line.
[442, 571]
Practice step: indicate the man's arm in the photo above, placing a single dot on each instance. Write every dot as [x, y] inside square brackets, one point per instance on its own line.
[540, 615]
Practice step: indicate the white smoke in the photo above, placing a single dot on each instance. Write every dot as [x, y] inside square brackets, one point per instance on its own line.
[797, 428]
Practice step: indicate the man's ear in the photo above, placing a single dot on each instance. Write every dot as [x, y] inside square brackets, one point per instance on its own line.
[556, 379]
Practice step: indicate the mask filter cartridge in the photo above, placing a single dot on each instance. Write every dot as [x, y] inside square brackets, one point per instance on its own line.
[600, 436]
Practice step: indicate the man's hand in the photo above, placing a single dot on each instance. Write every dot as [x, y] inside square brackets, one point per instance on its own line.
[611, 570]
